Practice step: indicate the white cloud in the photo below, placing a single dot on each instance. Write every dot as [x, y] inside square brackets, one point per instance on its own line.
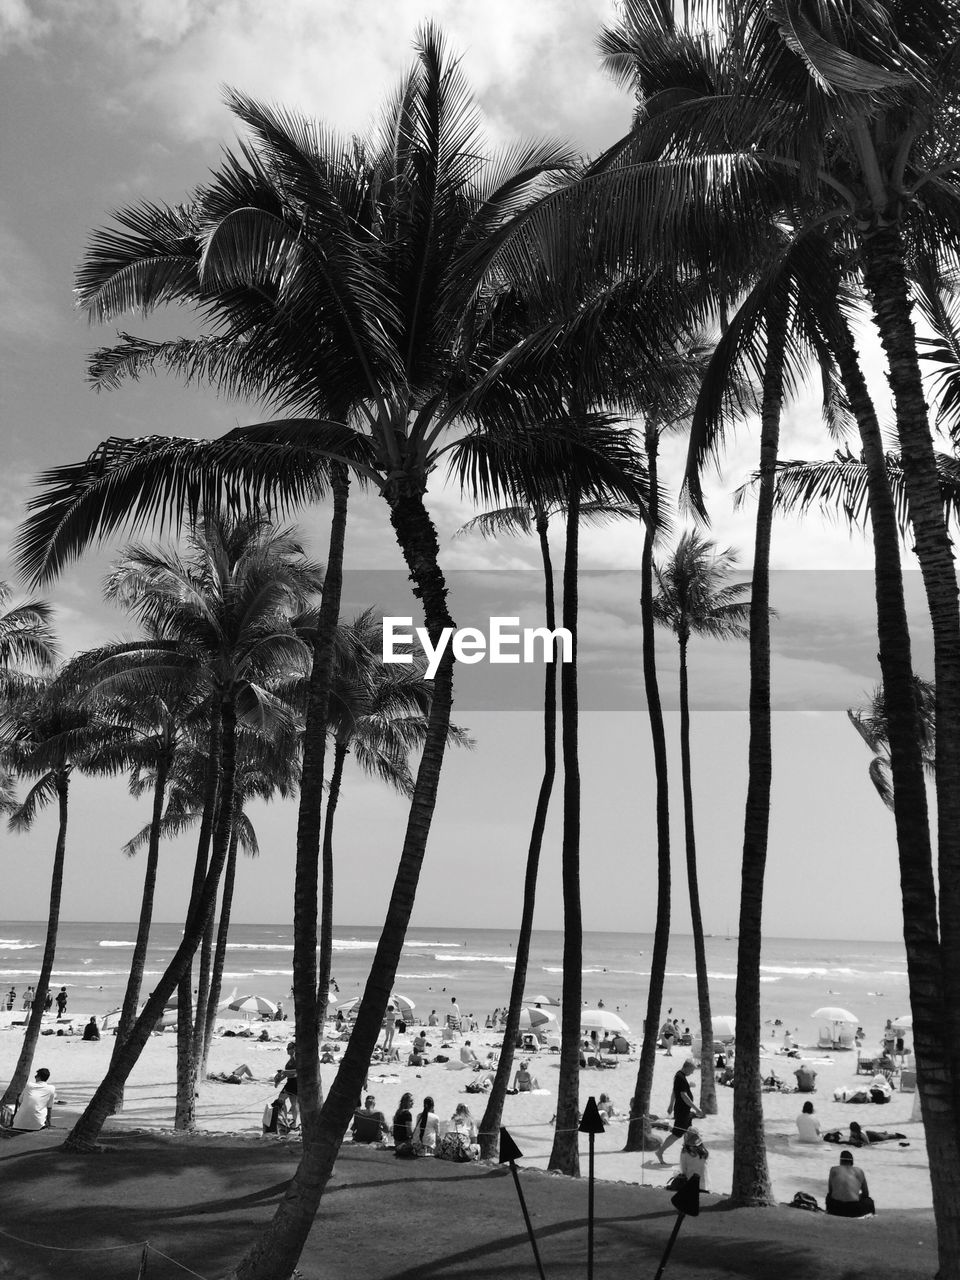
[20, 26]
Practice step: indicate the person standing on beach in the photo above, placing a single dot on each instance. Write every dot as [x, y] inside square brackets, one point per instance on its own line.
[289, 1089]
[35, 1107]
[11, 998]
[28, 1000]
[389, 1027]
[682, 1107]
[61, 1002]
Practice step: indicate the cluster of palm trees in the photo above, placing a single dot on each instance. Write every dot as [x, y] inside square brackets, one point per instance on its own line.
[410, 301]
[207, 705]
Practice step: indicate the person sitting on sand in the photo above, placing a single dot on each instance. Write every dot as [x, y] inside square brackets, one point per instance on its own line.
[847, 1193]
[606, 1108]
[35, 1107]
[523, 1081]
[369, 1125]
[468, 1056]
[426, 1129]
[403, 1120]
[620, 1044]
[91, 1031]
[464, 1122]
[682, 1108]
[808, 1126]
[236, 1076]
[693, 1157]
[806, 1078]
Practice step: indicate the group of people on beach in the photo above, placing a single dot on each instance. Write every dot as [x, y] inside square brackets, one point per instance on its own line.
[30, 995]
[420, 1135]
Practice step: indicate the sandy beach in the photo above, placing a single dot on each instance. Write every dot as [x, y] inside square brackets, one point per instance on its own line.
[898, 1175]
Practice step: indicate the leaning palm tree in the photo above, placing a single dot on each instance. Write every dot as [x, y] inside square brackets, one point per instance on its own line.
[694, 597]
[47, 733]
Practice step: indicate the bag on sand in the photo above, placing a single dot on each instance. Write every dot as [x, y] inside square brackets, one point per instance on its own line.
[803, 1200]
[454, 1146]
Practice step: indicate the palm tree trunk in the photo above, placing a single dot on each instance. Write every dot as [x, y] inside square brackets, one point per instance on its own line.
[85, 1132]
[203, 995]
[131, 996]
[21, 1072]
[277, 1250]
[920, 925]
[186, 1096]
[565, 1153]
[751, 1179]
[305, 893]
[325, 957]
[638, 1137]
[493, 1114]
[220, 951]
[708, 1079]
[885, 278]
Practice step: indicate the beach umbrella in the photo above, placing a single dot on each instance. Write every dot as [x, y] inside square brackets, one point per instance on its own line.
[110, 1019]
[831, 1013]
[253, 1004]
[532, 1018]
[542, 1000]
[403, 1003]
[903, 1023]
[601, 1020]
[724, 1026]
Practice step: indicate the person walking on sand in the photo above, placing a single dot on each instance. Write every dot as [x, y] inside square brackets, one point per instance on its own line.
[682, 1107]
[11, 998]
[61, 1002]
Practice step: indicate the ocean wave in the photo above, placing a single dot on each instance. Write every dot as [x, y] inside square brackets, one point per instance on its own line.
[408, 977]
[353, 944]
[261, 946]
[477, 959]
[432, 944]
[109, 942]
[7, 945]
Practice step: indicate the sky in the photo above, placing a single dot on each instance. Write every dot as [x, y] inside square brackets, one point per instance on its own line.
[105, 102]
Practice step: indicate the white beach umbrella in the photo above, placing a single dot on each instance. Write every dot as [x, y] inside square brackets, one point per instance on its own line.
[724, 1026]
[403, 1003]
[831, 1013]
[253, 1004]
[601, 1020]
[541, 1000]
[903, 1023]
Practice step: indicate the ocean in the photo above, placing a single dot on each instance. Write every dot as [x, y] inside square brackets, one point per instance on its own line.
[474, 966]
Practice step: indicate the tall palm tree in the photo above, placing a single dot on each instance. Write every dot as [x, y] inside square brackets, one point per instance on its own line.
[524, 520]
[48, 734]
[385, 332]
[694, 597]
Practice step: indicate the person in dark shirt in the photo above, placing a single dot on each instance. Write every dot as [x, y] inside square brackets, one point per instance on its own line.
[91, 1031]
[682, 1106]
[369, 1125]
[403, 1121]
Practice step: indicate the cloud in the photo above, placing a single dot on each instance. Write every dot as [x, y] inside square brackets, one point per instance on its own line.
[30, 311]
[20, 26]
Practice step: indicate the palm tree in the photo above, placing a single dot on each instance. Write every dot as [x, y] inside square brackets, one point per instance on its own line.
[384, 333]
[224, 613]
[48, 734]
[873, 726]
[26, 635]
[695, 598]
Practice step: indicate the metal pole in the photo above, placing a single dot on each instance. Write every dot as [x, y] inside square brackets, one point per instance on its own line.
[592, 1138]
[526, 1218]
[670, 1243]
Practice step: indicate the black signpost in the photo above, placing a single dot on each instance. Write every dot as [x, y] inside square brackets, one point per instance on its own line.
[686, 1201]
[509, 1154]
[591, 1124]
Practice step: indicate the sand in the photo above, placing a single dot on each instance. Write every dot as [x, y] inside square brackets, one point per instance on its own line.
[229, 1121]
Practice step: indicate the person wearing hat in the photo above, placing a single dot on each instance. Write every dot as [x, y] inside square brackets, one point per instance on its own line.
[847, 1193]
[693, 1157]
